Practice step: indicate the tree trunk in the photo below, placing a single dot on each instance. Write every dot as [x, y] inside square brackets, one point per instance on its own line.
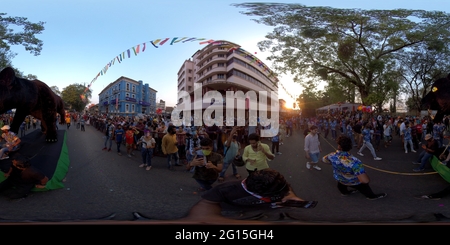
[364, 94]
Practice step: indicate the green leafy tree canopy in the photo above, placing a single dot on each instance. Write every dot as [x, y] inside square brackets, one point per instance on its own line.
[356, 45]
[18, 31]
[71, 97]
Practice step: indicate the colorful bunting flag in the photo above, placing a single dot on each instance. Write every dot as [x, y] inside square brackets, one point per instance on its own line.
[136, 50]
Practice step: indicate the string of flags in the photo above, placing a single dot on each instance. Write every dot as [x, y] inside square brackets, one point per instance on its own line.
[157, 43]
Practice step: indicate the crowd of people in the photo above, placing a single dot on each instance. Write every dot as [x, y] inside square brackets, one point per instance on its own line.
[374, 131]
[208, 151]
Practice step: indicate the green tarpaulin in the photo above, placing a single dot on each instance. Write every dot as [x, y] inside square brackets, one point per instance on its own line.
[51, 158]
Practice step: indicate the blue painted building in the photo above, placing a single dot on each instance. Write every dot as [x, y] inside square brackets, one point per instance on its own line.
[127, 97]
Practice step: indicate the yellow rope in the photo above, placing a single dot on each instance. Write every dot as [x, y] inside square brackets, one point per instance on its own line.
[382, 170]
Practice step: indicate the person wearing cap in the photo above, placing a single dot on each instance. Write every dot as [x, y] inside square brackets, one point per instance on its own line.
[429, 149]
[12, 142]
[21, 178]
[446, 191]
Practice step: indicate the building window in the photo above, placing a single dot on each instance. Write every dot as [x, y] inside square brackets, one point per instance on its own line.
[127, 108]
[127, 95]
[189, 70]
[132, 108]
[133, 96]
[220, 76]
[128, 87]
[221, 55]
[221, 64]
[134, 89]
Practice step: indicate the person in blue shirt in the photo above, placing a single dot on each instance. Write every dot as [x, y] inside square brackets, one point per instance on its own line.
[367, 133]
[325, 128]
[349, 132]
[118, 134]
[82, 123]
[349, 171]
[437, 132]
[22, 129]
[333, 126]
[276, 144]
[407, 138]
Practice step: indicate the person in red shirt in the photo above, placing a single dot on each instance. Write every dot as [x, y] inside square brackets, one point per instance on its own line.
[129, 140]
[415, 138]
[419, 128]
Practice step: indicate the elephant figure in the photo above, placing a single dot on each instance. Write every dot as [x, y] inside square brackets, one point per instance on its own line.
[30, 97]
[438, 98]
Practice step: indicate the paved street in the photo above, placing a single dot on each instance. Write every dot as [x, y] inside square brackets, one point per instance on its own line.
[104, 185]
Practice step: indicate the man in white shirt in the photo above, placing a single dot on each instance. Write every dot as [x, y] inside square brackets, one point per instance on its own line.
[402, 127]
[312, 148]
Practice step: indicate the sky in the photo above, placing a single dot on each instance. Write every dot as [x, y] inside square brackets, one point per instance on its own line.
[82, 36]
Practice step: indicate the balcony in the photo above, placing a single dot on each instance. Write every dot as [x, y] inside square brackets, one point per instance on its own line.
[215, 50]
[214, 71]
[213, 63]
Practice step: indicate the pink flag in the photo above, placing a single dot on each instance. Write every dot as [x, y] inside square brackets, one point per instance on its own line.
[163, 41]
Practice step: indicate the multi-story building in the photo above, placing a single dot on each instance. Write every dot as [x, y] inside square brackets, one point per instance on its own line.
[161, 105]
[223, 66]
[127, 97]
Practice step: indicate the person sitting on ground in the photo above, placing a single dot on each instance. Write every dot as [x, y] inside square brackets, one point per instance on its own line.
[437, 195]
[22, 178]
[430, 149]
[349, 170]
[12, 142]
[262, 189]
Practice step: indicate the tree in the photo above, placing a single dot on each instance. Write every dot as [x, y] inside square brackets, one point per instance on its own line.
[309, 100]
[10, 34]
[356, 45]
[55, 90]
[420, 68]
[71, 97]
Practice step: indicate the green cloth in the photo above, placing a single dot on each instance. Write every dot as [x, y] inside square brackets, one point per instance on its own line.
[60, 170]
[442, 169]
